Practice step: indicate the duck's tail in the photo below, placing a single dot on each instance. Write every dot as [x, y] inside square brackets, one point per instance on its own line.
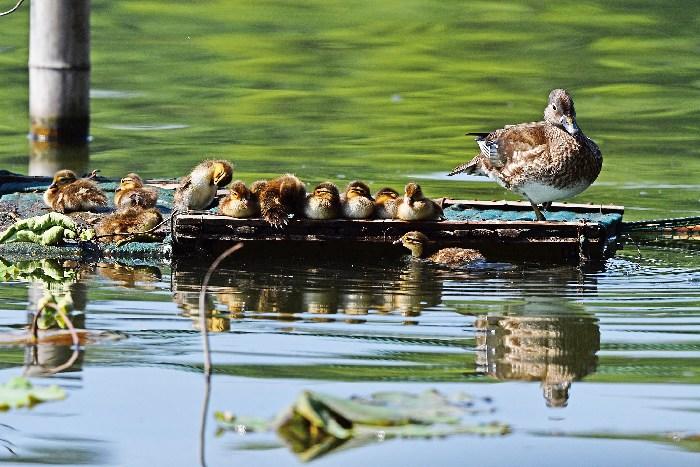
[472, 168]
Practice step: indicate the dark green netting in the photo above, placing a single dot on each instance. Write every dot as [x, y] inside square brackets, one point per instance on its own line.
[461, 212]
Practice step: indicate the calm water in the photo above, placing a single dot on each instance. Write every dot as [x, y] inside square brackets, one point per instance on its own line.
[381, 92]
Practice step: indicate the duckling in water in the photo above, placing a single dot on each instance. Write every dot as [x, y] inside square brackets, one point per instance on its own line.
[131, 192]
[418, 243]
[68, 193]
[279, 198]
[416, 207]
[386, 203]
[357, 202]
[240, 202]
[120, 226]
[323, 203]
[198, 189]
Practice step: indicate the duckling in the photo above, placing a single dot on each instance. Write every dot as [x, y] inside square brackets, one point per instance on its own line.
[357, 202]
[418, 243]
[386, 202]
[323, 203]
[240, 202]
[116, 227]
[132, 192]
[279, 198]
[416, 207]
[68, 193]
[198, 189]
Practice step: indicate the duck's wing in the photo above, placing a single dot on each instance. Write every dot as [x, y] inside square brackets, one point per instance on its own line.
[511, 144]
[514, 144]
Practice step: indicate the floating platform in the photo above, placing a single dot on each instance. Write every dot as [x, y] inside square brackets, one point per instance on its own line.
[501, 230]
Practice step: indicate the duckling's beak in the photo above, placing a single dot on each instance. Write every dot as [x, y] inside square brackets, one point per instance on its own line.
[53, 185]
[570, 125]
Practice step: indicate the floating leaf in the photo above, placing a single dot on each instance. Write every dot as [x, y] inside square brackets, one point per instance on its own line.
[19, 392]
[319, 423]
[48, 229]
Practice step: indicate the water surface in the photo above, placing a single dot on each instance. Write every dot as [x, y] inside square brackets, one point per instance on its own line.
[600, 365]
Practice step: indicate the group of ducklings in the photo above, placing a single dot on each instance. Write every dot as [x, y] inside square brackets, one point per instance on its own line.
[135, 204]
[274, 200]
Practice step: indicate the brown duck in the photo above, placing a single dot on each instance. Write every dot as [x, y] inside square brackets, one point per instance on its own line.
[387, 201]
[240, 202]
[279, 198]
[128, 223]
[544, 161]
[357, 202]
[323, 203]
[415, 206]
[68, 193]
[198, 190]
[422, 247]
[132, 192]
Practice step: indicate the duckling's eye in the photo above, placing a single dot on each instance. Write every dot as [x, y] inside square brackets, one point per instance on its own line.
[554, 107]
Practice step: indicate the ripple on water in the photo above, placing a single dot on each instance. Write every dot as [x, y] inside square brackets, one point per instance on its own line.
[149, 127]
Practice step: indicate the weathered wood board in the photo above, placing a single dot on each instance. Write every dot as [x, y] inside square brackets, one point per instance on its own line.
[575, 241]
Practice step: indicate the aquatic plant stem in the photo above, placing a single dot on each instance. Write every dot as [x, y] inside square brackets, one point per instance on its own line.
[206, 349]
[34, 331]
[13, 9]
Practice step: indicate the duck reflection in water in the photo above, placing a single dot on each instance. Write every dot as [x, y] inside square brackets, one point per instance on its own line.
[542, 339]
[254, 292]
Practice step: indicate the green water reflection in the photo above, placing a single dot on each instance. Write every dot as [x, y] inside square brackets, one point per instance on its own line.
[382, 92]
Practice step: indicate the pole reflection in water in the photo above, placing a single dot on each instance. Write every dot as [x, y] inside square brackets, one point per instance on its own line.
[56, 350]
[46, 158]
[542, 339]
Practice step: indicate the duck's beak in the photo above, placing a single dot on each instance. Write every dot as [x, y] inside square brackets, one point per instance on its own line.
[52, 186]
[570, 125]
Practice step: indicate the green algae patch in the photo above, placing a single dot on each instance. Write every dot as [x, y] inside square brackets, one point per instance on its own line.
[19, 392]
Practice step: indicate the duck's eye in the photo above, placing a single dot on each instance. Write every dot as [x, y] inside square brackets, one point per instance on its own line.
[554, 107]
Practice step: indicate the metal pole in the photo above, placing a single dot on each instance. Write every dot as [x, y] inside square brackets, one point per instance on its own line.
[59, 71]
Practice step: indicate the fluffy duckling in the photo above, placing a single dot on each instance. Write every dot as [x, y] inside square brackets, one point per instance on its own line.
[386, 203]
[198, 189]
[116, 227]
[419, 244]
[131, 192]
[323, 203]
[68, 193]
[279, 198]
[357, 202]
[240, 202]
[414, 206]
